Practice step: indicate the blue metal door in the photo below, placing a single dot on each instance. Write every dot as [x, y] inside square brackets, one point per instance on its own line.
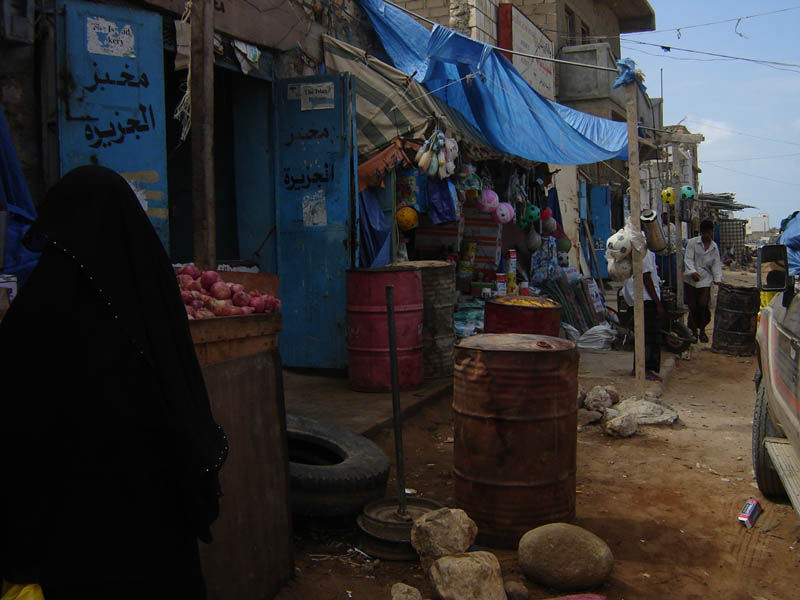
[316, 215]
[600, 202]
[111, 98]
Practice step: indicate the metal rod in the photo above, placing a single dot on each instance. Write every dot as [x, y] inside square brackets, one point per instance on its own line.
[525, 54]
[398, 425]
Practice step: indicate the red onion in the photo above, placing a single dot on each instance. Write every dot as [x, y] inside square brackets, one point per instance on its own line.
[186, 296]
[183, 280]
[220, 308]
[248, 310]
[220, 291]
[196, 304]
[194, 286]
[241, 299]
[254, 293]
[237, 287]
[204, 314]
[208, 278]
[257, 303]
[190, 270]
[236, 310]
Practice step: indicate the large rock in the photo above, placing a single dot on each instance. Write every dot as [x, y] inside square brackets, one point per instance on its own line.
[622, 426]
[401, 591]
[646, 412]
[612, 393]
[516, 590]
[442, 532]
[597, 399]
[588, 416]
[565, 557]
[468, 576]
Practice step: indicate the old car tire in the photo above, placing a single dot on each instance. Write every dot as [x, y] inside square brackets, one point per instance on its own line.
[332, 471]
[766, 476]
[678, 339]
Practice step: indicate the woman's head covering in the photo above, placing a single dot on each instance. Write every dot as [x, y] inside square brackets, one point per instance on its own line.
[93, 216]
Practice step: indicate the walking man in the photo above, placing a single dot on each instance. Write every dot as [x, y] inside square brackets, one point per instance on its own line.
[702, 267]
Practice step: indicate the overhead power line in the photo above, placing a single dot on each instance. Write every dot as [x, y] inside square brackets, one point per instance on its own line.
[753, 158]
[668, 48]
[736, 20]
[750, 174]
[545, 58]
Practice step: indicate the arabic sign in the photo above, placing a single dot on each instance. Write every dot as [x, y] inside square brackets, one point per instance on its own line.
[111, 99]
[517, 32]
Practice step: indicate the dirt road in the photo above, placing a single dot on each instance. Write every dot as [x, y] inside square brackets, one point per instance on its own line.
[665, 501]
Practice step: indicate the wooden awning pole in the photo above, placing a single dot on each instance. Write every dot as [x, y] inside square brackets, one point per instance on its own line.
[202, 97]
[636, 210]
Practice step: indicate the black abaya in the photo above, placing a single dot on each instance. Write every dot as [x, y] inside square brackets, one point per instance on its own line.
[109, 453]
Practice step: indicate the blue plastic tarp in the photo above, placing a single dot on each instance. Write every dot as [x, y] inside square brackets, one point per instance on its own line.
[375, 232]
[15, 197]
[485, 87]
[791, 239]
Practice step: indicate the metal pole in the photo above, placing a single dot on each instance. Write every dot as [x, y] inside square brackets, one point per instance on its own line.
[636, 211]
[202, 90]
[398, 425]
[678, 228]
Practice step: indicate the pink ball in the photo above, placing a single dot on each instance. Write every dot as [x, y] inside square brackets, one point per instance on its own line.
[488, 201]
[504, 213]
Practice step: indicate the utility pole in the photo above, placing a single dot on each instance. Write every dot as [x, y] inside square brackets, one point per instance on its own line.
[202, 114]
[678, 228]
[636, 211]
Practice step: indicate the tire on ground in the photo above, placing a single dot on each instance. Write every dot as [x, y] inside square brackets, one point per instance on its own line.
[766, 476]
[332, 471]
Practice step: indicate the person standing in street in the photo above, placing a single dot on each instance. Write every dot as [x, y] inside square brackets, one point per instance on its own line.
[667, 263]
[654, 314]
[702, 268]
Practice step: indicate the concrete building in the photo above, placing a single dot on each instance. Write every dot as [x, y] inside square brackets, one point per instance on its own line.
[757, 224]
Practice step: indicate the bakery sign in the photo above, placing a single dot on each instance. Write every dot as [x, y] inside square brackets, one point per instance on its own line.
[517, 32]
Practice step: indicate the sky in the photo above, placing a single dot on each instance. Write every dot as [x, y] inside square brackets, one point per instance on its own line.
[749, 113]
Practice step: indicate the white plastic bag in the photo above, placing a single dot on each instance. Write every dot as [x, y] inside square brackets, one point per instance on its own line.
[598, 337]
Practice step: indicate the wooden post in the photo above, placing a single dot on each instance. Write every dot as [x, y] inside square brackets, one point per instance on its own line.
[636, 210]
[202, 95]
[678, 228]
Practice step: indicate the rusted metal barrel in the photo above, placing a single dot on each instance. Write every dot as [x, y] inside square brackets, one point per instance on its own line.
[735, 320]
[515, 432]
[368, 365]
[522, 314]
[438, 336]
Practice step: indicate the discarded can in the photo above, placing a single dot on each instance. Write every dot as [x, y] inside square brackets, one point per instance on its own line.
[750, 512]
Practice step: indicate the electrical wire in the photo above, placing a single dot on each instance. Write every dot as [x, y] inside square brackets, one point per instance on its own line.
[758, 137]
[667, 48]
[750, 174]
[737, 20]
[753, 158]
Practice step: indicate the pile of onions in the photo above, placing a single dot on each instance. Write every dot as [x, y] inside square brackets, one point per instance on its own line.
[206, 295]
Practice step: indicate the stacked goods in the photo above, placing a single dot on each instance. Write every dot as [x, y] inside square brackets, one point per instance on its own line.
[205, 295]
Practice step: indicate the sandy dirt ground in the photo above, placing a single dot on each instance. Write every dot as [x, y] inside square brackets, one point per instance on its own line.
[666, 501]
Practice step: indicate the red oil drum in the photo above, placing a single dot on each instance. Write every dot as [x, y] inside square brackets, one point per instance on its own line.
[522, 314]
[515, 433]
[369, 369]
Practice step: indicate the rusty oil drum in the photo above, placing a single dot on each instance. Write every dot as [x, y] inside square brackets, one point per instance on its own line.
[735, 320]
[522, 314]
[438, 336]
[368, 366]
[515, 433]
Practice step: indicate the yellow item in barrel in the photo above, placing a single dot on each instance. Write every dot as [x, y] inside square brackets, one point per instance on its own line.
[512, 289]
[530, 301]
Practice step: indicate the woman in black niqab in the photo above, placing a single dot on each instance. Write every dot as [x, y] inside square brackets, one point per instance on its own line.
[109, 453]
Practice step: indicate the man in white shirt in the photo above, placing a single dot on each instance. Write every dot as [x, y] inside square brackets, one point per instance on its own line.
[702, 267]
[653, 315]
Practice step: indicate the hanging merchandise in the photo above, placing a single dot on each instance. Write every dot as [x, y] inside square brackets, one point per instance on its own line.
[687, 193]
[433, 167]
[619, 269]
[407, 218]
[549, 225]
[421, 151]
[412, 189]
[546, 214]
[503, 213]
[425, 160]
[544, 262]
[488, 201]
[451, 154]
[619, 249]
[668, 195]
[563, 244]
[441, 205]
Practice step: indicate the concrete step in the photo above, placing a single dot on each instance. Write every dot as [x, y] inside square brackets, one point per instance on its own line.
[787, 464]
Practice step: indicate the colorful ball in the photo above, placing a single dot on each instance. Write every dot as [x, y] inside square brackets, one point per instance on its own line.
[549, 225]
[407, 218]
[504, 213]
[547, 213]
[488, 201]
[532, 213]
[687, 193]
[668, 195]
[563, 244]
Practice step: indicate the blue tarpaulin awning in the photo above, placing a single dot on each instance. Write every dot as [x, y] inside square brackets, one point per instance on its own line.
[484, 86]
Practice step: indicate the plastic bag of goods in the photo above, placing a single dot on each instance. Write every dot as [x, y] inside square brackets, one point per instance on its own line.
[599, 337]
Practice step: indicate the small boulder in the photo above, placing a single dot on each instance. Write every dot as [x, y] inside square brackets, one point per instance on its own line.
[565, 557]
[610, 413]
[613, 394]
[401, 591]
[468, 576]
[442, 532]
[647, 412]
[597, 399]
[622, 426]
[516, 590]
[588, 416]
